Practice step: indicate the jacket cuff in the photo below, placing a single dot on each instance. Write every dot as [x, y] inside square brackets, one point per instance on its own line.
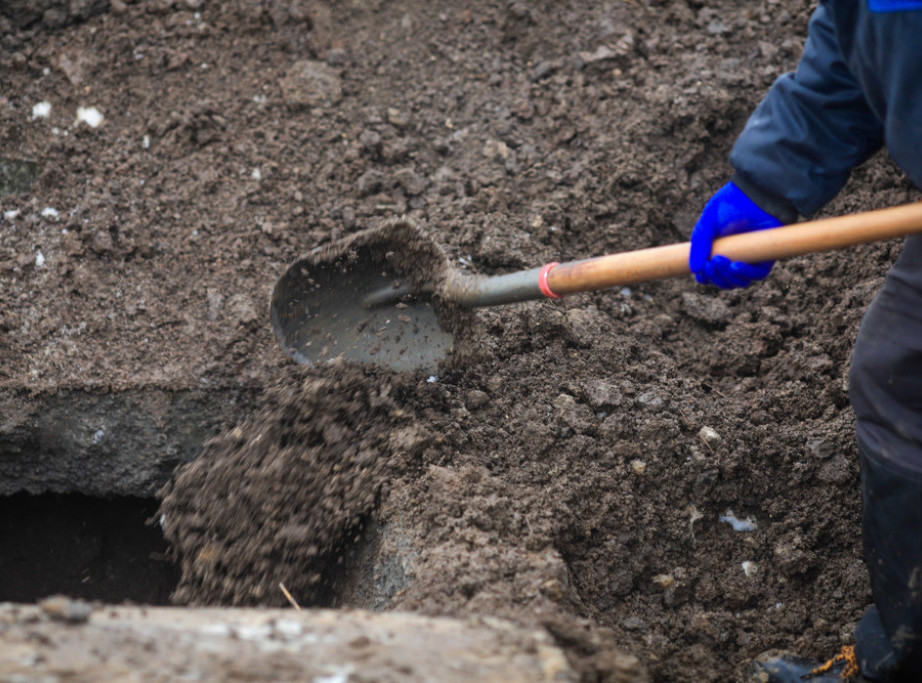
[779, 207]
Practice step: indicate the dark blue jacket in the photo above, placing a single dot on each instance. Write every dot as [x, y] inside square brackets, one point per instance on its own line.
[857, 87]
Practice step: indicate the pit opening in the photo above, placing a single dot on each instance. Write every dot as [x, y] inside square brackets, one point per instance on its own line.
[99, 549]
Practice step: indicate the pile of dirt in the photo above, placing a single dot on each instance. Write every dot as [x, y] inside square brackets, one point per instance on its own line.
[666, 467]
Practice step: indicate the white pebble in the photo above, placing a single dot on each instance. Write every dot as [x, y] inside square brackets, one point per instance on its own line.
[145, 142]
[432, 379]
[750, 568]
[91, 116]
[738, 524]
[256, 174]
[709, 435]
[336, 677]
[97, 436]
[41, 110]
[664, 581]
[39, 259]
[50, 212]
[10, 214]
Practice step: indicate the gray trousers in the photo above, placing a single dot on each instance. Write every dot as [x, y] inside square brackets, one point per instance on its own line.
[886, 394]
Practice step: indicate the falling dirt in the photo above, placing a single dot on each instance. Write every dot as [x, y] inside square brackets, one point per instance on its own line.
[278, 495]
[663, 470]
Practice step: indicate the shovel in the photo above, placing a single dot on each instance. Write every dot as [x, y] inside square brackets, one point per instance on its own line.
[388, 297]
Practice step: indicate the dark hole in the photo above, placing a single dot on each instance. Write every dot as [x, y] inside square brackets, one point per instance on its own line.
[101, 549]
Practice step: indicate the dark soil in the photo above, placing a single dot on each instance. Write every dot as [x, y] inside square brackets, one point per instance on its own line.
[574, 470]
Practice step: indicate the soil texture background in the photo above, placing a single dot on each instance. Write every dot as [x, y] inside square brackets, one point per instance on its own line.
[664, 471]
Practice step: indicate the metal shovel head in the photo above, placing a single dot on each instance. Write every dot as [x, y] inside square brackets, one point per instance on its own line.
[321, 310]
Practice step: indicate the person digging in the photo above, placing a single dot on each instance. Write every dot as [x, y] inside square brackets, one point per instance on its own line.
[857, 87]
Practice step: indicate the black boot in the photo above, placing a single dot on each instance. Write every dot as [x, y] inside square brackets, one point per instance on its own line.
[785, 668]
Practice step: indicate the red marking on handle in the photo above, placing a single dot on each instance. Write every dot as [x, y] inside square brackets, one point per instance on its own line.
[542, 280]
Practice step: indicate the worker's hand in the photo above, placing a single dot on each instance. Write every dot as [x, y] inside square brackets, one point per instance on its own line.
[728, 212]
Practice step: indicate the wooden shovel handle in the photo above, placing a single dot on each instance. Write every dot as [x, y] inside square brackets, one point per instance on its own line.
[765, 245]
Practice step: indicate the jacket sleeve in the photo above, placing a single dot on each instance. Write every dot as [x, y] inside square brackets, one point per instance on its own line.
[814, 125]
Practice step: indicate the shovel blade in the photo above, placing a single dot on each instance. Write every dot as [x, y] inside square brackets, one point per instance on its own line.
[320, 312]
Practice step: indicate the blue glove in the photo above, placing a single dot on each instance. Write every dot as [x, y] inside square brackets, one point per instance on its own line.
[728, 212]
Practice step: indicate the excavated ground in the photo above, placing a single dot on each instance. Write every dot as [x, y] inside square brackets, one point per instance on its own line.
[665, 471]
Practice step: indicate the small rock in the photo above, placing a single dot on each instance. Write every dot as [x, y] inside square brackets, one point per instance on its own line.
[709, 435]
[477, 399]
[397, 118]
[311, 84]
[750, 568]
[395, 151]
[91, 116]
[542, 71]
[412, 183]
[371, 141]
[602, 58]
[633, 624]
[75, 66]
[240, 309]
[820, 448]
[564, 402]
[63, 608]
[818, 364]
[369, 182]
[663, 581]
[336, 57]
[638, 466]
[16, 175]
[215, 300]
[495, 150]
[716, 27]
[553, 589]
[602, 394]
[606, 58]
[360, 642]
[348, 217]
[444, 175]
[835, 470]
[743, 525]
[101, 242]
[54, 17]
[650, 399]
[768, 50]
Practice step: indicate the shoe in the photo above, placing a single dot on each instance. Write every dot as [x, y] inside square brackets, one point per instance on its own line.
[786, 668]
